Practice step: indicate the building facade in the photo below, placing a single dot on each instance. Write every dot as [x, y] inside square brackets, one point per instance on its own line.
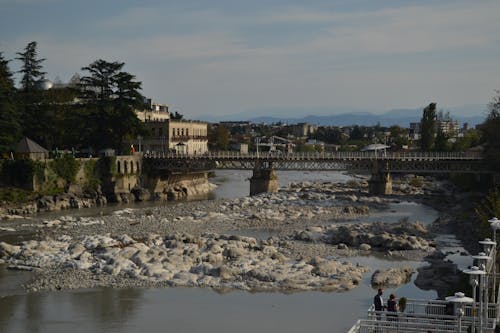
[188, 137]
[170, 135]
[180, 136]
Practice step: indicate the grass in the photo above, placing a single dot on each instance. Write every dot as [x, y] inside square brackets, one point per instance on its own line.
[19, 196]
[16, 195]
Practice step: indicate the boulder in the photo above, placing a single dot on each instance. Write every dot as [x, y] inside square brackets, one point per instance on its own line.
[392, 277]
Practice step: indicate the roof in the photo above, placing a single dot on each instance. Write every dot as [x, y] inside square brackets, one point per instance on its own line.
[27, 145]
[375, 146]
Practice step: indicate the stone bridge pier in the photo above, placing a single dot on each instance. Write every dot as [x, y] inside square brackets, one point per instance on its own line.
[264, 179]
[380, 183]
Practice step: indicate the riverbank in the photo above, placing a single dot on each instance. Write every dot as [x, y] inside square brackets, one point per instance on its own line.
[190, 187]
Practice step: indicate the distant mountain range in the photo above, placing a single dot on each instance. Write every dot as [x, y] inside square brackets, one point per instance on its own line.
[471, 114]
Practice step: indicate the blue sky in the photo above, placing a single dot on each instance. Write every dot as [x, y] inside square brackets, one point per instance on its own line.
[229, 56]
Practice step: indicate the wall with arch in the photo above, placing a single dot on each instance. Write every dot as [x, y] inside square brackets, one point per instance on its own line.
[128, 171]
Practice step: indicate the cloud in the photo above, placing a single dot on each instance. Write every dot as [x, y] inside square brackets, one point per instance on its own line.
[208, 60]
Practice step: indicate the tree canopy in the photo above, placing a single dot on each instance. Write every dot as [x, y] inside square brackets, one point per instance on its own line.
[491, 132]
[10, 128]
[109, 97]
[428, 128]
[31, 67]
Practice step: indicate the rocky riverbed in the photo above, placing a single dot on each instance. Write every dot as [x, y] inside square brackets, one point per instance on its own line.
[302, 241]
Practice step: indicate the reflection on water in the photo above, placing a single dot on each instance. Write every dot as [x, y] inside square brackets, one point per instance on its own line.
[104, 310]
[194, 310]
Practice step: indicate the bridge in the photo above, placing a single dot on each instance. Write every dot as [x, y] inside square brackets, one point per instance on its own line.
[380, 164]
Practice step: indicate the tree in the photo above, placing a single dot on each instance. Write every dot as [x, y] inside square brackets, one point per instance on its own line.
[31, 67]
[470, 139]
[219, 137]
[110, 96]
[428, 127]
[441, 142]
[176, 116]
[10, 129]
[399, 135]
[491, 133]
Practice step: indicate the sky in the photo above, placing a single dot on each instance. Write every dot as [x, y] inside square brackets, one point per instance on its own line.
[258, 57]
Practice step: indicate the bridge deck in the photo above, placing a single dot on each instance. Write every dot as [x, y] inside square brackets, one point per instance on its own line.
[405, 162]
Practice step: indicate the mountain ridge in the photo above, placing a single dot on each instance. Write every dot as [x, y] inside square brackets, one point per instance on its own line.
[401, 117]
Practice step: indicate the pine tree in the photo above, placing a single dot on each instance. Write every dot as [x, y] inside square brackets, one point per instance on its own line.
[111, 96]
[428, 128]
[31, 67]
[10, 129]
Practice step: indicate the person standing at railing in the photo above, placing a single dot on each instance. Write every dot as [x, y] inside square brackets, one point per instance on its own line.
[378, 302]
[392, 308]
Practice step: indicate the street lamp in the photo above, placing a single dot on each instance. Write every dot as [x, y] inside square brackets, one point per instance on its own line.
[495, 224]
[459, 300]
[482, 259]
[475, 273]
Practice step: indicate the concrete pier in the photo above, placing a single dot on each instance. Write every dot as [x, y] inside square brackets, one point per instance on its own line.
[380, 183]
[263, 180]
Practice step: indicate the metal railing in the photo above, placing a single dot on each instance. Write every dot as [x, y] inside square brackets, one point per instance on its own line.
[370, 326]
[322, 155]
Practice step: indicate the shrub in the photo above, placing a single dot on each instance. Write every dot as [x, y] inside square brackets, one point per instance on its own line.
[92, 182]
[66, 168]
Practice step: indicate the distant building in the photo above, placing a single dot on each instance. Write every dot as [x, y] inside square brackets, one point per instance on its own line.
[242, 148]
[415, 130]
[448, 127]
[303, 129]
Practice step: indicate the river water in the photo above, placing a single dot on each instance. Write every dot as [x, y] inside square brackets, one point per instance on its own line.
[206, 310]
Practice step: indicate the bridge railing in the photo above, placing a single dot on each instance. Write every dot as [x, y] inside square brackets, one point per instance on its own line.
[322, 155]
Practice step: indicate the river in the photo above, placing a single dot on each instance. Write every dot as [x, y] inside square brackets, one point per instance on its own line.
[206, 310]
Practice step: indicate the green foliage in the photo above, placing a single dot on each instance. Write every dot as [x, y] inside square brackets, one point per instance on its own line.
[491, 133]
[109, 98]
[16, 195]
[442, 142]
[20, 172]
[218, 137]
[92, 181]
[330, 135]
[402, 304]
[428, 127]
[304, 148]
[31, 67]
[176, 116]
[471, 138]
[488, 208]
[399, 135]
[66, 167]
[10, 128]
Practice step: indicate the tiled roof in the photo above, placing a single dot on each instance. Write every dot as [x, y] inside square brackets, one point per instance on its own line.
[27, 145]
